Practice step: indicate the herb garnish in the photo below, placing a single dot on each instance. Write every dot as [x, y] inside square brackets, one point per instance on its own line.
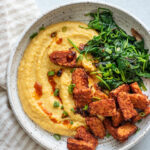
[96, 98]
[57, 137]
[72, 109]
[72, 70]
[33, 35]
[56, 92]
[51, 73]
[80, 57]
[65, 114]
[70, 88]
[137, 130]
[42, 28]
[64, 29]
[108, 135]
[121, 58]
[85, 107]
[142, 114]
[71, 122]
[56, 104]
[73, 45]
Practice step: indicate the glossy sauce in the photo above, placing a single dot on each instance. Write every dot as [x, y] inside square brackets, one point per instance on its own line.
[65, 122]
[53, 84]
[59, 41]
[38, 90]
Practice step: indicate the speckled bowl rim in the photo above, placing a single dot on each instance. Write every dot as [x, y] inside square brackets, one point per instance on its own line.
[126, 147]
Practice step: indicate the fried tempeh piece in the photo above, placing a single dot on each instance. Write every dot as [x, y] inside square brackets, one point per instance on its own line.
[83, 134]
[82, 94]
[122, 88]
[135, 88]
[104, 107]
[126, 106]
[63, 58]
[121, 133]
[110, 128]
[96, 126]
[73, 144]
[139, 116]
[82, 97]
[98, 93]
[80, 78]
[126, 130]
[139, 101]
[117, 119]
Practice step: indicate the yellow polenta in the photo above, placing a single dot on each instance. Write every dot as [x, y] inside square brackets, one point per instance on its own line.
[34, 67]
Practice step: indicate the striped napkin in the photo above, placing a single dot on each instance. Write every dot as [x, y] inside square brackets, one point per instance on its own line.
[15, 15]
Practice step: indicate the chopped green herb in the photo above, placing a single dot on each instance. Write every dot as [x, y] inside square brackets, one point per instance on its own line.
[56, 104]
[71, 122]
[73, 45]
[96, 98]
[121, 58]
[84, 27]
[80, 57]
[33, 35]
[138, 130]
[72, 109]
[139, 121]
[57, 137]
[70, 88]
[142, 114]
[103, 82]
[62, 107]
[56, 92]
[108, 135]
[42, 28]
[85, 107]
[51, 73]
[65, 114]
[64, 29]
[72, 70]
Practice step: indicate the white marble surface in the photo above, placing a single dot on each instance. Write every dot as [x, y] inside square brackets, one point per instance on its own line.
[139, 8]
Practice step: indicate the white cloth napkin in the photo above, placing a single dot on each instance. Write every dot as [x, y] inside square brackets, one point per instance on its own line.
[15, 15]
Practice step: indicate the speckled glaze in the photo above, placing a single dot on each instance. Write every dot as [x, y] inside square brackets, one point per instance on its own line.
[71, 11]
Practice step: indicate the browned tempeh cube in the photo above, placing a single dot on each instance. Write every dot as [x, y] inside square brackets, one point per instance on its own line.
[73, 144]
[126, 130]
[80, 78]
[126, 106]
[139, 116]
[100, 94]
[104, 107]
[82, 94]
[117, 119]
[139, 101]
[63, 58]
[121, 133]
[96, 126]
[135, 88]
[110, 128]
[122, 88]
[82, 97]
[83, 134]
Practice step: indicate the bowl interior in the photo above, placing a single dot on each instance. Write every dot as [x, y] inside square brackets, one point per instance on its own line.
[70, 12]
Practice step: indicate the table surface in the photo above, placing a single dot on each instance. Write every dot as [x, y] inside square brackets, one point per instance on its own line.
[135, 7]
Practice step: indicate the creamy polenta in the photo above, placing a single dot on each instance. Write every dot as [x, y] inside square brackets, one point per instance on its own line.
[35, 65]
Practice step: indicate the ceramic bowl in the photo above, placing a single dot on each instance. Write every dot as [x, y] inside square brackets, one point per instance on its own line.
[74, 12]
